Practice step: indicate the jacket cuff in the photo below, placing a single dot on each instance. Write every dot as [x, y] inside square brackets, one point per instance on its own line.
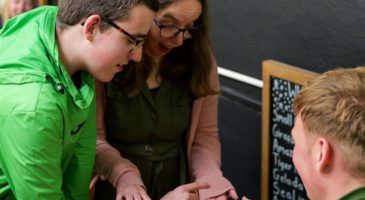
[218, 186]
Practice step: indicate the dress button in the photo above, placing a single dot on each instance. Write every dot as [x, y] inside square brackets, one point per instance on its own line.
[153, 116]
[148, 149]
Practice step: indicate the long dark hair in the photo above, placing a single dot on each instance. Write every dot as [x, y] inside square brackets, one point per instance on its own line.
[189, 65]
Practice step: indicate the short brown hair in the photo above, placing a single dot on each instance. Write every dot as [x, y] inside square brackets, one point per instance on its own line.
[71, 12]
[333, 106]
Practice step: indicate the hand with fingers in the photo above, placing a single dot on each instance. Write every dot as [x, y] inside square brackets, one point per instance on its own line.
[230, 194]
[132, 192]
[186, 191]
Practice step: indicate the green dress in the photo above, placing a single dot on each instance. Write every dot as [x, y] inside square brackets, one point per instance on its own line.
[358, 194]
[150, 130]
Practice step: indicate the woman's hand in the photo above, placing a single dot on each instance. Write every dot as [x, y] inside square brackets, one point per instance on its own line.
[186, 192]
[244, 198]
[132, 192]
[229, 194]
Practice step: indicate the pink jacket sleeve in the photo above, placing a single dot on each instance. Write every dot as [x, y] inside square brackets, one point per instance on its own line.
[204, 153]
[109, 163]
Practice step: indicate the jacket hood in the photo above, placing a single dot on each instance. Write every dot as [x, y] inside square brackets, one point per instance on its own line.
[29, 53]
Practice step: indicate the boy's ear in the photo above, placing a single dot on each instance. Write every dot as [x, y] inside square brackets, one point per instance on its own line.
[323, 152]
[91, 25]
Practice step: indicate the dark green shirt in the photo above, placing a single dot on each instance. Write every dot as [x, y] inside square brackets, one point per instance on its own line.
[150, 130]
[358, 194]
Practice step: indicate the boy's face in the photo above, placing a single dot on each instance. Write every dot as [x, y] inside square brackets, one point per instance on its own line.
[111, 49]
[303, 157]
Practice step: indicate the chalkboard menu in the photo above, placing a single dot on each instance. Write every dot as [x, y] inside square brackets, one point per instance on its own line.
[280, 179]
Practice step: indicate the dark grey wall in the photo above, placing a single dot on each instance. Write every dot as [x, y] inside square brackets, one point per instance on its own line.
[52, 2]
[311, 34]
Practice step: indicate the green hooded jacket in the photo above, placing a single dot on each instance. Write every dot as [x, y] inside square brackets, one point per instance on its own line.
[47, 125]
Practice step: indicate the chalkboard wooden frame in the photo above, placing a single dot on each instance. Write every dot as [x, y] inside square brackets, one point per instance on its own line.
[43, 2]
[272, 68]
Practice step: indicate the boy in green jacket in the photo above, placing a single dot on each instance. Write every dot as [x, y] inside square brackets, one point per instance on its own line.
[329, 135]
[48, 59]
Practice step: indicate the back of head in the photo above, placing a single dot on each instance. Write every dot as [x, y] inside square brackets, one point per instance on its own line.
[333, 106]
[71, 12]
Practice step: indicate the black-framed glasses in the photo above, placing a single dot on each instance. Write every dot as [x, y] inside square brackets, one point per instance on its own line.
[136, 42]
[171, 31]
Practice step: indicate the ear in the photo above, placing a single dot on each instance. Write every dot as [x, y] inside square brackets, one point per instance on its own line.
[91, 26]
[323, 152]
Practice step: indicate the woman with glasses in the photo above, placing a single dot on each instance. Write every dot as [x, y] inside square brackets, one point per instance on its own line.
[157, 119]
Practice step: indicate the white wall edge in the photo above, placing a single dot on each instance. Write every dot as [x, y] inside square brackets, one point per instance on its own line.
[240, 77]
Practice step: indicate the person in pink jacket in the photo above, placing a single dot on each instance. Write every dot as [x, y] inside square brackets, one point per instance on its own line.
[157, 119]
